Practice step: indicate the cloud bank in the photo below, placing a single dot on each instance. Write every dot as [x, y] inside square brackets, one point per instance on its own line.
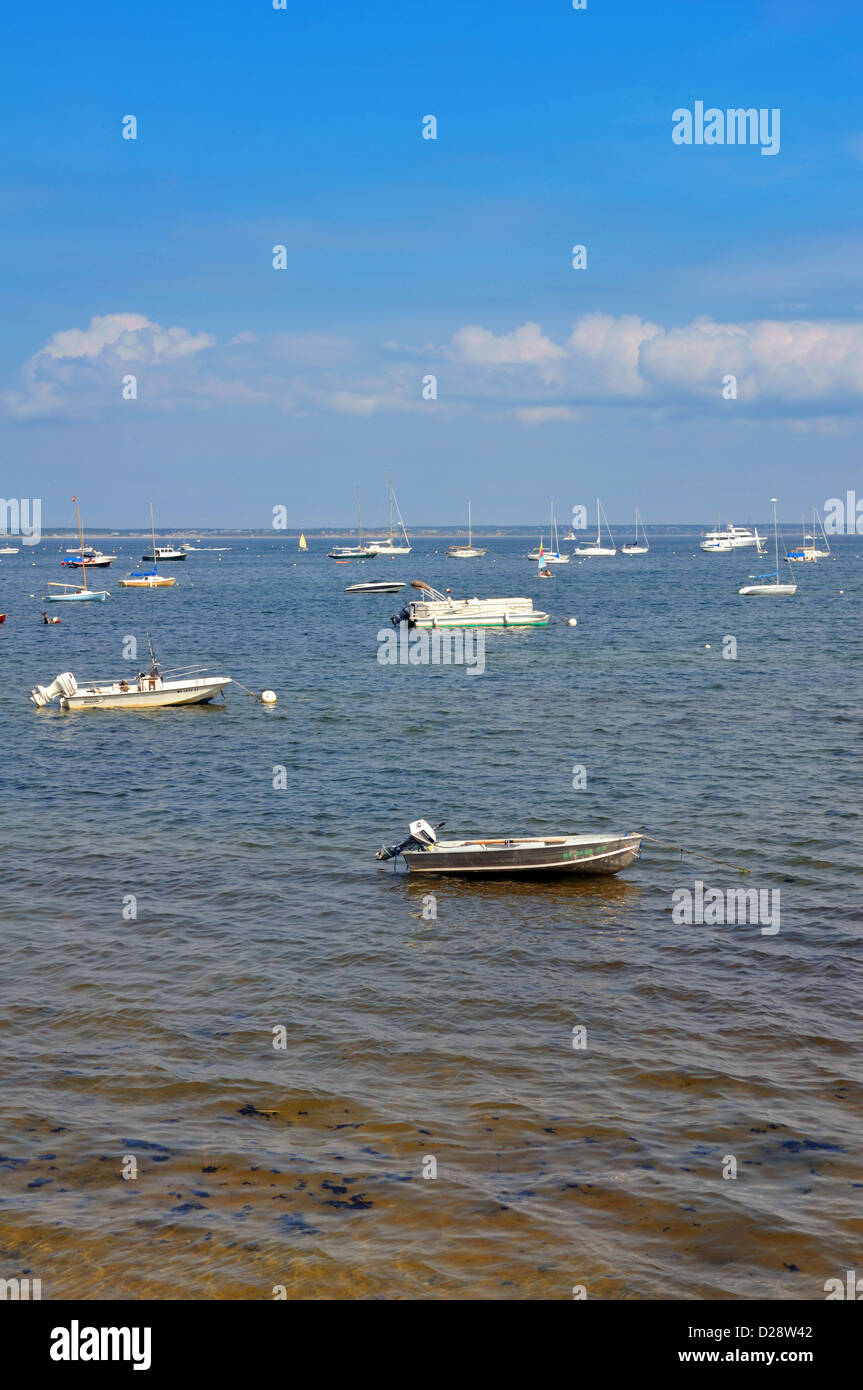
[794, 369]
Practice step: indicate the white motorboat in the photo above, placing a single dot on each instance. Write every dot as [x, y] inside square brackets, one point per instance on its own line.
[469, 551]
[147, 690]
[9, 549]
[596, 547]
[774, 589]
[442, 610]
[731, 538]
[392, 545]
[533, 855]
[377, 586]
[635, 548]
[553, 556]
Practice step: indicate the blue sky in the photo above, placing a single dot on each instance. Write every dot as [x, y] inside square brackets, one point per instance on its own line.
[407, 257]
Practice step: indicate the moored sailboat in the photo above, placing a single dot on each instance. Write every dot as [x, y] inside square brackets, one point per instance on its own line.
[635, 548]
[147, 579]
[776, 589]
[76, 593]
[469, 551]
[597, 547]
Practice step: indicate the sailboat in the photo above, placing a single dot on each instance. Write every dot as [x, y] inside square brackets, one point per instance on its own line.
[597, 548]
[635, 548]
[77, 593]
[147, 579]
[775, 589]
[390, 546]
[353, 552]
[469, 551]
[809, 549]
[554, 556]
[303, 543]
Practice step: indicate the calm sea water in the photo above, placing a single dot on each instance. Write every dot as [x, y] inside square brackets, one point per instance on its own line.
[408, 1037]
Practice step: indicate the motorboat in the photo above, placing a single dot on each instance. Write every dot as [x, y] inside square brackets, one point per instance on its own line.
[377, 586]
[731, 538]
[9, 549]
[442, 610]
[596, 547]
[469, 551]
[773, 588]
[164, 552]
[546, 855]
[154, 689]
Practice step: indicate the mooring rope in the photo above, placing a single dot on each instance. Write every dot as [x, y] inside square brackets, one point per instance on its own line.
[699, 854]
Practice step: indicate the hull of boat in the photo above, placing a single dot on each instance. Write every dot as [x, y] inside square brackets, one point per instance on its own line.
[351, 555]
[548, 559]
[99, 564]
[383, 550]
[172, 693]
[170, 557]
[383, 588]
[158, 583]
[633, 549]
[576, 855]
[463, 553]
[535, 619]
[91, 595]
[769, 590]
[593, 550]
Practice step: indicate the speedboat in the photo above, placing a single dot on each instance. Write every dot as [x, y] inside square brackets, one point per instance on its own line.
[550, 855]
[152, 690]
[351, 552]
[9, 549]
[377, 586]
[442, 610]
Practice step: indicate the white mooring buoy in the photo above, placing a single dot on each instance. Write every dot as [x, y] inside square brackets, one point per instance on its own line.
[572, 622]
[268, 697]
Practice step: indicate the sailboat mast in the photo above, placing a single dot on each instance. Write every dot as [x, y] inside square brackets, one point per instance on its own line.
[81, 544]
[469, 529]
[359, 522]
[775, 538]
[390, 487]
[153, 534]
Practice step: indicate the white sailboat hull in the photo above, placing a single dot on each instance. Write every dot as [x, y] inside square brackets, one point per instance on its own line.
[770, 590]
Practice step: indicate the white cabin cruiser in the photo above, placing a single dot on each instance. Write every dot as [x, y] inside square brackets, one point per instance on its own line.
[731, 538]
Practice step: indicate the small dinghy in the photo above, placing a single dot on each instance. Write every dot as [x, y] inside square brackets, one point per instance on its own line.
[377, 586]
[549, 855]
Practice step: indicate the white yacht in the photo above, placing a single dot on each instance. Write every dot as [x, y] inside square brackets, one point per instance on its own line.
[731, 538]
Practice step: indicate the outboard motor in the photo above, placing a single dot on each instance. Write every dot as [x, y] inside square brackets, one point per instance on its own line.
[422, 836]
[65, 684]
